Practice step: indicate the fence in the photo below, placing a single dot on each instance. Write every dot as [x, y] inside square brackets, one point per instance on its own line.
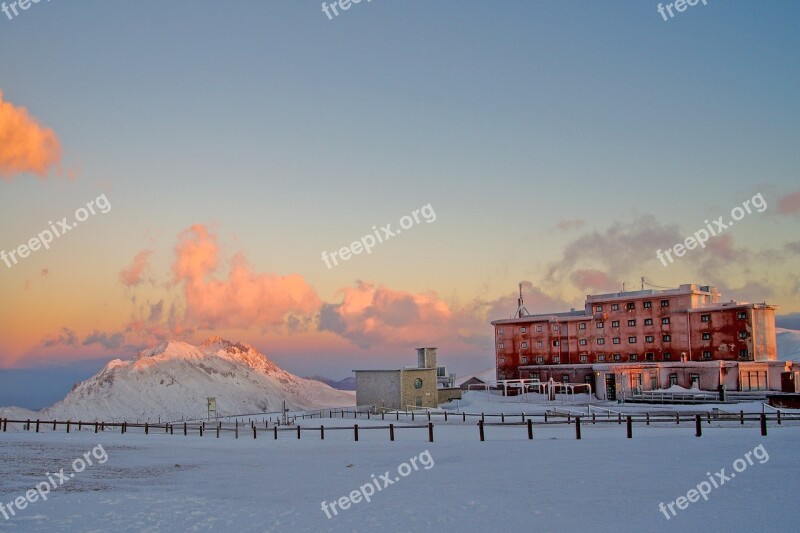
[526, 421]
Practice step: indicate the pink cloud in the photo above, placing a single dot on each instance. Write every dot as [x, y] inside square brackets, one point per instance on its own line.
[133, 275]
[593, 280]
[789, 204]
[25, 146]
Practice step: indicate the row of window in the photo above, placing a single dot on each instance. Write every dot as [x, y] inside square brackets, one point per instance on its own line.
[631, 306]
[649, 356]
[741, 315]
[616, 340]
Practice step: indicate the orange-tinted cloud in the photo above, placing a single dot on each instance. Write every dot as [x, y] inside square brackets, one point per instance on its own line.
[246, 298]
[592, 280]
[133, 275]
[25, 146]
[789, 204]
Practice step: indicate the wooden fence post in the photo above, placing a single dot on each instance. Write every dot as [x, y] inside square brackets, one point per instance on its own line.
[578, 428]
[322, 432]
[763, 424]
[275, 427]
[298, 432]
[201, 429]
[779, 417]
[95, 427]
[430, 431]
[630, 427]
[648, 419]
[391, 432]
[741, 417]
[480, 429]
[145, 428]
[530, 429]
[593, 418]
[355, 431]
[254, 431]
[677, 418]
[698, 426]
[37, 425]
[502, 418]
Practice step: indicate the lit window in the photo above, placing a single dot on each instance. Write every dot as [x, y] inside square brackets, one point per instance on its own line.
[631, 340]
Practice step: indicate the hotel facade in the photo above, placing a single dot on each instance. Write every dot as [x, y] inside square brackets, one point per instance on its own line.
[645, 340]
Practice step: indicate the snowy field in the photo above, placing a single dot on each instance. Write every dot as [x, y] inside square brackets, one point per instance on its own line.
[604, 482]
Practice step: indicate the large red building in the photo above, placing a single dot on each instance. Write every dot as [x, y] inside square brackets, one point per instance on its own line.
[647, 339]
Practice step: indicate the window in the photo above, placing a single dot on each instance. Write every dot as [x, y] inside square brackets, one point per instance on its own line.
[647, 305]
[601, 340]
[556, 359]
[673, 379]
[615, 307]
[617, 357]
[523, 345]
[742, 315]
[418, 383]
[582, 325]
[706, 336]
[501, 332]
[524, 360]
[744, 354]
[667, 356]
[599, 325]
[601, 357]
[694, 379]
[523, 329]
[582, 342]
[538, 344]
[418, 402]
[630, 306]
[650, 356]
[665, 321]
[535, 376]
[615, 340]
[538, 328]
[742, 334]
[666, 338]
[632, 357]
[598, 308]
[564, 378]
[555, 343]
[707, 354]
[502, 360]
[539, 360]
[501, 346]
[705, 318]
[648, 321]
[648, 338]
[555, 327]
[615, 323]
[631, 340]
[582, 358]
[631, 323]
[664, 303]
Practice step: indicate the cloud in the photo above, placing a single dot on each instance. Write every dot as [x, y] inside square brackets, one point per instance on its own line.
[66, 337]
[370, 314]
[245, 298]
[25, 146]
[593, 280]
[45, 272]
[566, 225]
[111, 342]
[789, 204]
[156, 312]
[133, 275]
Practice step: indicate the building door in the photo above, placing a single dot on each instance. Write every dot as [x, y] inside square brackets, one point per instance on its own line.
[611, 387]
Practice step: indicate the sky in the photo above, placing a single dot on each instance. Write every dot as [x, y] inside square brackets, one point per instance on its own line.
[210, 159]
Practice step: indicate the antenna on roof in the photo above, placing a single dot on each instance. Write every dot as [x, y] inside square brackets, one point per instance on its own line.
[521, 311]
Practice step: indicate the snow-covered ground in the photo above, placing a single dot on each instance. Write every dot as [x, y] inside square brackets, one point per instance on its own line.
[603, 482]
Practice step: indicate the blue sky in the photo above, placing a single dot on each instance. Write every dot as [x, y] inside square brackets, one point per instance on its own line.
[287, 134]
